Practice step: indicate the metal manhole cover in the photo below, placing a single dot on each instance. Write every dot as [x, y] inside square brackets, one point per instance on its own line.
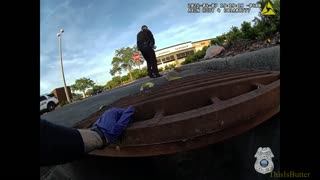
[195, 111]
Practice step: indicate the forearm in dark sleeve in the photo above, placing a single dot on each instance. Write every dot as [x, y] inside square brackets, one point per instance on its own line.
[59, 144]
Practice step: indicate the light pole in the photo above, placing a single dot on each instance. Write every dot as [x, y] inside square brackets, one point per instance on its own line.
[61, 65]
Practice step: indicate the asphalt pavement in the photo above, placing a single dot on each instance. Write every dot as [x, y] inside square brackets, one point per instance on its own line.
[71, 114]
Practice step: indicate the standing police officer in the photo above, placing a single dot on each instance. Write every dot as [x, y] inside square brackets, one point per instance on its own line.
[145, 44]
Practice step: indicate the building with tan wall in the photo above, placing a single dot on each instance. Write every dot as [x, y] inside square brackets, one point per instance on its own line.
[198, 45]
[176, 54]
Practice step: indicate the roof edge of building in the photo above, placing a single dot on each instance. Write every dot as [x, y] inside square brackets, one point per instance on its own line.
[202, 40]
[173, 46]
[183, 43]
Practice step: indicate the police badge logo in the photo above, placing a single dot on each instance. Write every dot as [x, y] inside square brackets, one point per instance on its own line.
[264, 162]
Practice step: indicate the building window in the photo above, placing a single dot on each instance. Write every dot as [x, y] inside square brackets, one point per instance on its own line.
[190, 52]
[167, 58]
[172, 58]
[181, 55]
[184, 54]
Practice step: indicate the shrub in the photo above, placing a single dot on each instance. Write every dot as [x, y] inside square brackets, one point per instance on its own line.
[63, 103]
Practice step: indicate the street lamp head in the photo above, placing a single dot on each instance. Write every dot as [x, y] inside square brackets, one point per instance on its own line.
[62, 30]
[58, 34]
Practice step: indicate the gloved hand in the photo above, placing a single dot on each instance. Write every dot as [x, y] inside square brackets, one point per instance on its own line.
[114, 121]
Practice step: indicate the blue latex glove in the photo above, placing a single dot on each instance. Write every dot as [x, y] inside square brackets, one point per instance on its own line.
[114, 121]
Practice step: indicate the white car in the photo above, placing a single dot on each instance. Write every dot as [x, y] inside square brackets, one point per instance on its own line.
[48, 102]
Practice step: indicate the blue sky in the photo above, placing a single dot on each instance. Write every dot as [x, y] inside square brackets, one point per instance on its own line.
[94, 29]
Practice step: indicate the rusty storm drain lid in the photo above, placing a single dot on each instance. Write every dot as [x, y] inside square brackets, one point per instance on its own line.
[194, 111]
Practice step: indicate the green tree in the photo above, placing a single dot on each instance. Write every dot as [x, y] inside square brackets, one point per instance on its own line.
[247, 31]
[82, 85]
[123, 60]
[219, 40]
[95, 88]
[89, 92]
[266, 25]
[143, 72]
[74, 88]
[114, 82]
[135, 73]
[116, 69]
[124, 78]
[233, 36]
[110, 85]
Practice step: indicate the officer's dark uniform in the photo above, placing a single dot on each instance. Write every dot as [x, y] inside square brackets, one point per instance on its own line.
[145, 43]
[59, 144]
